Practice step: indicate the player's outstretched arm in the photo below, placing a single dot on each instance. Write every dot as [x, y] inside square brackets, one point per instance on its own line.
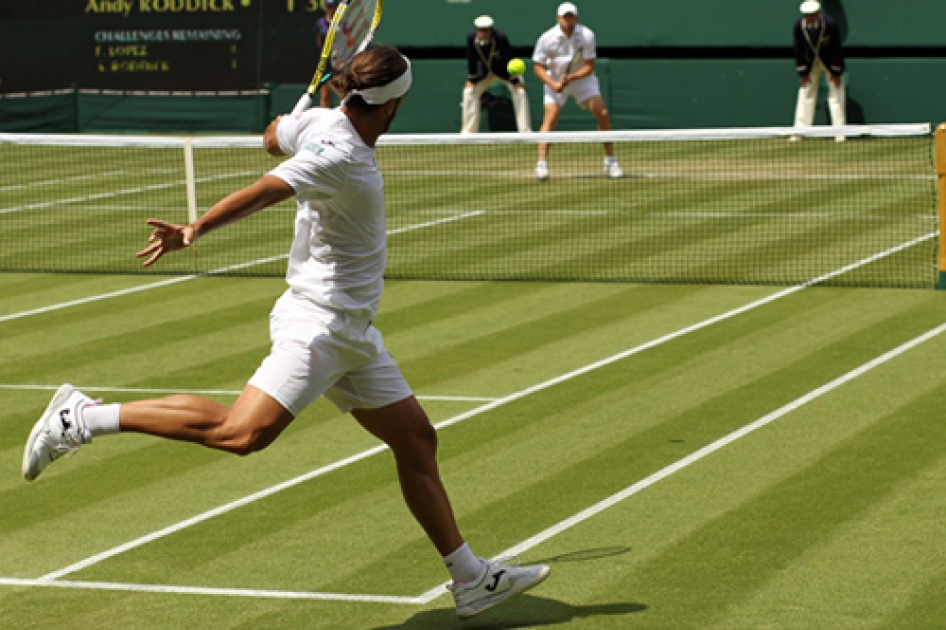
[168, 237]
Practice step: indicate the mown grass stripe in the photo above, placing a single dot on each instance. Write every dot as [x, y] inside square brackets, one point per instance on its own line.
[719, 444]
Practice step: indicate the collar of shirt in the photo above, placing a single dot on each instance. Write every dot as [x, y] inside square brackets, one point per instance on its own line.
[561, 33]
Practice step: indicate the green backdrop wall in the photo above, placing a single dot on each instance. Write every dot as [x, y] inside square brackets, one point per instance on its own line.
[681, 94]
[641, 94]
[687, 23]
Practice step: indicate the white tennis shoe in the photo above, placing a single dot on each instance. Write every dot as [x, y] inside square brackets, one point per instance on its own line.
[499, 581]
[59, 431]
[613, 169]
[542, 171]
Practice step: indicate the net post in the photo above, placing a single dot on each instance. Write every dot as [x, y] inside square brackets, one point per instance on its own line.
[190, 180]
[941, 176]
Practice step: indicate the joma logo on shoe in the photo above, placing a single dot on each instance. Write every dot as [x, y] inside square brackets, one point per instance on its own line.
[496, 576]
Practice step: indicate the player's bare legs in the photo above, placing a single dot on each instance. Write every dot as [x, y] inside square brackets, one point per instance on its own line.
[549, 123]
[250, 425]
[596, 106]
[405, 428]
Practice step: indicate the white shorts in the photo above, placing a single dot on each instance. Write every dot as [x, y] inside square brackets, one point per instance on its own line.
[318, 350]
[582, 90]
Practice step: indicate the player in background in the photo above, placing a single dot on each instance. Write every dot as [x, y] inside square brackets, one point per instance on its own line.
[321, 30]
[817, 44]
[324, 342]
[487, 53]
[565, 62]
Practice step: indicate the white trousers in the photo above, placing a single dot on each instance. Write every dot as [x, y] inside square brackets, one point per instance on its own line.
[471, 105]
[808, 96]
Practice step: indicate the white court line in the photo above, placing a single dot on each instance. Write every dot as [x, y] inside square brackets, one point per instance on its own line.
[409, 228]
[94, 298]
[637, 214]
[223, 270]
[223, 509]
[206, 392]
[52, 182]
[700, 175]
[117, 193]
[200, 590]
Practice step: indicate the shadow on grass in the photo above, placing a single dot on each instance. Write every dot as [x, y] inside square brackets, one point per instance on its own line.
[586, 555]
[523, 611]
[526, 611]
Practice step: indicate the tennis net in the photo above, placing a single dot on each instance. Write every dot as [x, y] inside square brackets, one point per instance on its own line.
[730, 206]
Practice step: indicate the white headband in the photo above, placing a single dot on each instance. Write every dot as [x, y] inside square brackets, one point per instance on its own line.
[384, 93]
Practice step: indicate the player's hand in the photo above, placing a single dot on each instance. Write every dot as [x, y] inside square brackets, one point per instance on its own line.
[805, 81]
[167, 237]
[836, 81]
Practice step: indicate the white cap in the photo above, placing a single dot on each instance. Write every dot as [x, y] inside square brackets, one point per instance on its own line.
[567, 7]
[810, 6]
[483, 21]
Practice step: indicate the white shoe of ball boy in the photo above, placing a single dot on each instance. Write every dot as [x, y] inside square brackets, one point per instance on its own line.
[499, 581]
[59, 431]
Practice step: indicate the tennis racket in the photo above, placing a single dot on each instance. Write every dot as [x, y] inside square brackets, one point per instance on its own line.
[352, 29]
[571, 62]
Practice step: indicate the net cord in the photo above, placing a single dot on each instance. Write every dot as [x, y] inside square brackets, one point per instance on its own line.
[749, 133]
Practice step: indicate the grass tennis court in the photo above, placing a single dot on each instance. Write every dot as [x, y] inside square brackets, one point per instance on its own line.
[595, 427]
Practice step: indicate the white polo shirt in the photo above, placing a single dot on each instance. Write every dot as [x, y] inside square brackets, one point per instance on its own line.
[339, 251]
[555, 50]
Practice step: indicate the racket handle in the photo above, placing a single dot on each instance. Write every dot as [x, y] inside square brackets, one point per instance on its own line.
[303, 104]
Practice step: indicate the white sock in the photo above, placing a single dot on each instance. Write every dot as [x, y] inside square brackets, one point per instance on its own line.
[542, 163]
[102, 419]
[463, 564]
[610, 159]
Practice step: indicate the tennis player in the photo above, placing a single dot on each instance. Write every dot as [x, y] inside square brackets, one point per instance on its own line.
[565, 62]
[324, 342]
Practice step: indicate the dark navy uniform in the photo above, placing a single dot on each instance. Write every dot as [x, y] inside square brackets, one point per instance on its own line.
[486, 63]
[817, 50]
[489, 57]
[821, 42]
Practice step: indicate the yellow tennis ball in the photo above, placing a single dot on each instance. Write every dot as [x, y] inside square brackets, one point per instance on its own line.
[516, 67]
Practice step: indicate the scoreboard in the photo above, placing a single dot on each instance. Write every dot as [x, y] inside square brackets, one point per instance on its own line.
[188, 45]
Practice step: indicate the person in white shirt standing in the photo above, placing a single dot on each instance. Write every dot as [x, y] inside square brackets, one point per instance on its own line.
[564, 59]
[324, 342]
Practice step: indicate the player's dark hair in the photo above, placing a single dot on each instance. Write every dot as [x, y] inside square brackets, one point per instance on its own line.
[374, 67]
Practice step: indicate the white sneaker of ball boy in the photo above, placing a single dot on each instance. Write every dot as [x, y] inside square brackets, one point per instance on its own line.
[62, 429]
